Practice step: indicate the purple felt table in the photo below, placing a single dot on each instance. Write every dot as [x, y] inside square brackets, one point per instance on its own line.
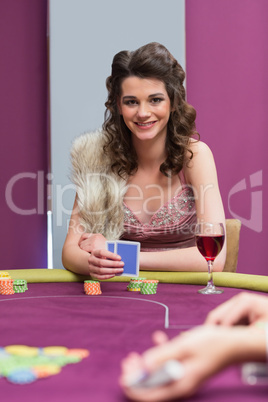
[109, 326]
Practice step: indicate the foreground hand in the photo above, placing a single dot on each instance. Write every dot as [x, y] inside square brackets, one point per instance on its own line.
[203, 352]
[244, 308]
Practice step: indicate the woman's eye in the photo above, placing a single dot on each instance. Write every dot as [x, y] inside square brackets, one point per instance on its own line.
[131, 102]
[157, 100]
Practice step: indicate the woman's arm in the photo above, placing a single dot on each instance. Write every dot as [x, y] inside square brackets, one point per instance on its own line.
[200, 173]
[185, 259]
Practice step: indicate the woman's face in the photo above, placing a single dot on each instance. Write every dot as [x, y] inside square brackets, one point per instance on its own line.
[145, 107]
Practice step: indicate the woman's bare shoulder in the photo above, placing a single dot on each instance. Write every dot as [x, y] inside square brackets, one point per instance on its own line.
[199, 147]
[200, 160]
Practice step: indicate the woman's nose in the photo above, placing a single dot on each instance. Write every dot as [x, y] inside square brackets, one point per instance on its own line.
[143, 110]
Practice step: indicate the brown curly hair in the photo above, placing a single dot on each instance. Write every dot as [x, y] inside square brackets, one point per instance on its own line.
[149, 61]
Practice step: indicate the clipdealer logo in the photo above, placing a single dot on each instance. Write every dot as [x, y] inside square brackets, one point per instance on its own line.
[253, 190]
[256, 201]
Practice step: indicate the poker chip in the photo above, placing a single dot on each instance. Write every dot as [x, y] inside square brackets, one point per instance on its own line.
[81, 353]
[149, 287]
[22, 376]
[22, 350]
[4, 274]
[67, 359]
[135, 284]
[22, 364]
[20, 285]
[46, 370]
[92, 287]
[143, 285]
[6, 286]
[55, 350]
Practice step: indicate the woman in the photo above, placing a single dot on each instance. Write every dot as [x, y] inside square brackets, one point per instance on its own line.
[144, 177]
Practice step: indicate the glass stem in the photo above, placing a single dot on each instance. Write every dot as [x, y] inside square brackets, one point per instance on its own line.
[210, 277]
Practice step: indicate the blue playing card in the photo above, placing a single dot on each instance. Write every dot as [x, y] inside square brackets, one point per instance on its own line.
[129, 252]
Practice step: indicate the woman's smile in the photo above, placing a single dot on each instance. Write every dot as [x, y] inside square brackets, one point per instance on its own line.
[145, 126]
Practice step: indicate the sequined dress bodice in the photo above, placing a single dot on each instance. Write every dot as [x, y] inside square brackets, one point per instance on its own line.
[170, 227]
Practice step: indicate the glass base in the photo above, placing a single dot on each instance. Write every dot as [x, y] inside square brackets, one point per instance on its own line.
[210, 290]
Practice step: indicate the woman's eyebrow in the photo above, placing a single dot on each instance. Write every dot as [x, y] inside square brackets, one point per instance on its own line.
[150, 96]
[129, 97]
[157, 94]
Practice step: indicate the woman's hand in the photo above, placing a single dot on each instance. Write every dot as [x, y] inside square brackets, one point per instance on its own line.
[90, 241]
[102, 263]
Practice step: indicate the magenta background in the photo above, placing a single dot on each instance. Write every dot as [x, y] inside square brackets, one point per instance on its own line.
[227, 83]
[23, 109]
[227, 64]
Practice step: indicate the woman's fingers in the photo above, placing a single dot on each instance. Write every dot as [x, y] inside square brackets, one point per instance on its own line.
[104, 264]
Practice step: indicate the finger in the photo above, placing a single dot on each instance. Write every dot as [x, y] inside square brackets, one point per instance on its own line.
[103, 253]
[100, 272]
[98, 258]
[131, 367]
[159, 337]
[158, 355]
[101, 277]
[234, 311]
[83, 237]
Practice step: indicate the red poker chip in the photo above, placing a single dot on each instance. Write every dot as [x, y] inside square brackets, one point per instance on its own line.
[92, 288]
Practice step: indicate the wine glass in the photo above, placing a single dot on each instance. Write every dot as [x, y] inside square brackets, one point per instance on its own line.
[209, 239]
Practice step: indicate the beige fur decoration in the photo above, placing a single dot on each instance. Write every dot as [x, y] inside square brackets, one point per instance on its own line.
[100, 192]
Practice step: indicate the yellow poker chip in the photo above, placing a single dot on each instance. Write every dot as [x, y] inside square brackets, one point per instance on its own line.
[22, 350]
[81, 353]
[46, 370]
[55, 350]
[4, 274]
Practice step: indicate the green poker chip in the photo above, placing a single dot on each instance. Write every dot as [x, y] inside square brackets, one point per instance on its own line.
[19, 289]
[148, 288]
[148, 291]
[19, 282]
[20, 285]
[135, 284]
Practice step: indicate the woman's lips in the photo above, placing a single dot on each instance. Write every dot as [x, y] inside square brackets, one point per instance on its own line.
[145, 125]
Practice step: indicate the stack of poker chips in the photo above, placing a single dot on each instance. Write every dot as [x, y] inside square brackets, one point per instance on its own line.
[149, 287]
[22, 364]
[9, 286]
[6, 286]
[20, 285]
[135, 284]
[92, 287]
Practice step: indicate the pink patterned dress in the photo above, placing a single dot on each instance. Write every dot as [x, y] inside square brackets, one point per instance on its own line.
[171, 227]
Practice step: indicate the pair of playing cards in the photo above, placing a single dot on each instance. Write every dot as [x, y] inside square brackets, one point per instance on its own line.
[129, 252]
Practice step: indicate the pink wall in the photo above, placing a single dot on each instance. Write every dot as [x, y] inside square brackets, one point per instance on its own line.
[23, 151]
[227, 82]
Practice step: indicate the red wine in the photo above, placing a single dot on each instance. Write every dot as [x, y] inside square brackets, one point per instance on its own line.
[209, 246]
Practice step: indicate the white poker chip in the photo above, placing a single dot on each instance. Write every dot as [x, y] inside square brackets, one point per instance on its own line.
[172, 370]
